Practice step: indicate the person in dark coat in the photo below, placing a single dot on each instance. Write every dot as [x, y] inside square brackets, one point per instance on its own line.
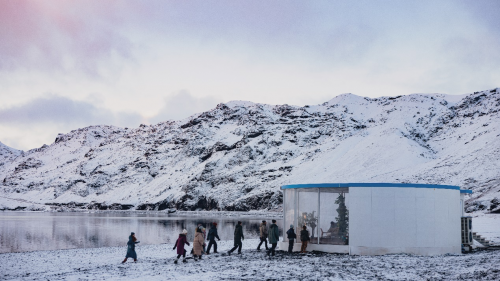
[131, 248]
[274, 237]
[212, 234]
[238, 237]
[291, 238]
[263, 235]
[179, 244]
[304, 237]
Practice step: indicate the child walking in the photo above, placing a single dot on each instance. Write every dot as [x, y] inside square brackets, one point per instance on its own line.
[179, 244]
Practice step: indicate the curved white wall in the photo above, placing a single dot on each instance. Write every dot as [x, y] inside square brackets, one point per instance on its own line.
[423, 221]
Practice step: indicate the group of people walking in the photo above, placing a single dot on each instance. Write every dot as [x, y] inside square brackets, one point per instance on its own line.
[199, 246]
[273, 236]
[198, 243]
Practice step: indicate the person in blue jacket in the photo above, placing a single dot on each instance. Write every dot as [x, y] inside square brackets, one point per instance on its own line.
[212, 234]
[132, 240]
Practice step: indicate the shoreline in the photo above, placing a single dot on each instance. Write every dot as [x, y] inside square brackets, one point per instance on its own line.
[247, 214]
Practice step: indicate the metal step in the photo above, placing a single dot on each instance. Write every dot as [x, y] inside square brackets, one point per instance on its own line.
[481, 240]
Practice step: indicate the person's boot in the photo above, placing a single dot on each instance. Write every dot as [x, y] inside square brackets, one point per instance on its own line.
[176, 260]
[184, 260]
[124, 260]
[135, 260]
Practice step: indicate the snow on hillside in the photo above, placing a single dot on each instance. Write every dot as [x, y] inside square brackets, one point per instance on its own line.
[237, 155]
[8, 154]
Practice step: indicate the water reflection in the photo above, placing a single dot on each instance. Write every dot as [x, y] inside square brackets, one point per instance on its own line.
[22, 231]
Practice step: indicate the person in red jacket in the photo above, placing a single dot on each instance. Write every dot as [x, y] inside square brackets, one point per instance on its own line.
[179, 244]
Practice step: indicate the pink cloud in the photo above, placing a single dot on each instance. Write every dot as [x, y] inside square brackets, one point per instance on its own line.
[40, 34]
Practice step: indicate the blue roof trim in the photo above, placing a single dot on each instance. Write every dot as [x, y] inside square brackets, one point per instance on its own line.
[339, 185]
[465, 191]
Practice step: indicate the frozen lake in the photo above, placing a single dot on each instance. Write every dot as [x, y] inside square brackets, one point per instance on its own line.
[31, 231]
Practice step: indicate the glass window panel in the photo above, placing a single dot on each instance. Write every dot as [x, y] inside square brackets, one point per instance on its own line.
[289, 216]
[308, 213]
[334, 216]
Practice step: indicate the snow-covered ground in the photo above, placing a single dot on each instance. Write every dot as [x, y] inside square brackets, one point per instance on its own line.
[155, 262]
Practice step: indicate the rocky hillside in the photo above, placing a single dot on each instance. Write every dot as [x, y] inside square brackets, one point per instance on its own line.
[237, 155]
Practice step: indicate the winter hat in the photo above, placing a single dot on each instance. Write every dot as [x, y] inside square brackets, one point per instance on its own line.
[215, 224]
[184, 231]
[291, 226]
[133, 233]
[274, 221]
[263, 221]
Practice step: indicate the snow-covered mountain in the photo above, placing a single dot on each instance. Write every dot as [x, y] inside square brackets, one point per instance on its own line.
[8, 154]
[237, 155]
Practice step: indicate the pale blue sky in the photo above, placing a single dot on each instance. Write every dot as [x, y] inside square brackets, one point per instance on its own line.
[70, 64]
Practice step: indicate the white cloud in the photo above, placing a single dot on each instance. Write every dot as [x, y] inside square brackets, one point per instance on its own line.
[182, 105]
[38, 121]
[133, 58]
